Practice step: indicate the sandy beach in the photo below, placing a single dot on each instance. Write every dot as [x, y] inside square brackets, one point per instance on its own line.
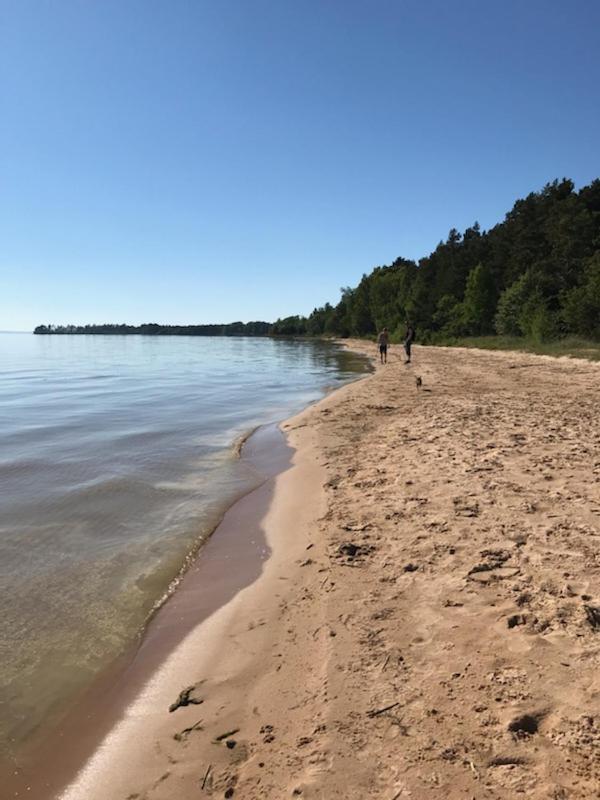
[428, 622]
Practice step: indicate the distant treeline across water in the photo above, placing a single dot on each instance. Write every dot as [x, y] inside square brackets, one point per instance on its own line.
[153, 329]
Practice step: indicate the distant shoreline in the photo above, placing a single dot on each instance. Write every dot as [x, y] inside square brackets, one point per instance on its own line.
[257, 328]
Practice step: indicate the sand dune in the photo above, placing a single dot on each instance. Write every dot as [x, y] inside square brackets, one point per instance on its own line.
[429, 623]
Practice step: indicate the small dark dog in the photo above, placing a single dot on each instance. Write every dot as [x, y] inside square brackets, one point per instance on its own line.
[419, 382]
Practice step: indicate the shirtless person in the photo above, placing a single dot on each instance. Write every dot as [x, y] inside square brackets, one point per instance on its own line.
[383, 340]
[409, 338]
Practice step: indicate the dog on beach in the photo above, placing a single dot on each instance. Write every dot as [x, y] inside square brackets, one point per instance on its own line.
[418, 381]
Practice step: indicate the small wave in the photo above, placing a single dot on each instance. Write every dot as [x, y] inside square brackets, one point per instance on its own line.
[120, 488]
[240, 441]
[15, 467]
[144, 437]
[187, 562]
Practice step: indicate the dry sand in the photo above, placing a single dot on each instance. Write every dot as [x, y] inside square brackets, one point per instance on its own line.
[428, 625]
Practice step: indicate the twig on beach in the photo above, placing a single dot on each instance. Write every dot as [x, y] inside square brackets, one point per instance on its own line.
[376, 713]
[324, 582]
[226, 735]
[206, 775]
[197, 726]
[397, 795]
[387, 658]
[473, 768]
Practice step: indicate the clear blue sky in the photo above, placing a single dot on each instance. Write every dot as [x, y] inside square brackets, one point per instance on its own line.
[190, 161]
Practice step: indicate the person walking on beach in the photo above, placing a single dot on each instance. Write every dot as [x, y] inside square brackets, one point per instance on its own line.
[383, 340]
[409, 338]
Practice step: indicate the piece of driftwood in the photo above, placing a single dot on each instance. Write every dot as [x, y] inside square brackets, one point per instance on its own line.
[377, 712]
[226, 735]
[206, 774]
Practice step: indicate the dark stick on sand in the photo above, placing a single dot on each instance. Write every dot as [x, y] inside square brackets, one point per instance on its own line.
[381, 710]
[206, 775]
[226, 735]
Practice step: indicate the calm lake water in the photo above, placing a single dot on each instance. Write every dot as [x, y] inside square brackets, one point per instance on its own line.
[116, 459]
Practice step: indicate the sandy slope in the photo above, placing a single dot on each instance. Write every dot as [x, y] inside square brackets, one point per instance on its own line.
[429, 623]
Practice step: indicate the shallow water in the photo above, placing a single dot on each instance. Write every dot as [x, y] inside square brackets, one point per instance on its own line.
[116, 459]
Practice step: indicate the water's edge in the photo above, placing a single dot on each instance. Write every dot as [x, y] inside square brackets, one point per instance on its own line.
[225, 563]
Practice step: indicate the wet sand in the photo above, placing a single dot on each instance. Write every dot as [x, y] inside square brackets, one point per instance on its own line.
[428, 622]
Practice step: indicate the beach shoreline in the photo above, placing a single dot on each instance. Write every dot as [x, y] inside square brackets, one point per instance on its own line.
[425, 624]
[275, 505]
[42, 769]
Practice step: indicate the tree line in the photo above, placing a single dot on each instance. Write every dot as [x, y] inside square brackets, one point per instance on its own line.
[536, 274]
[153, 329]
